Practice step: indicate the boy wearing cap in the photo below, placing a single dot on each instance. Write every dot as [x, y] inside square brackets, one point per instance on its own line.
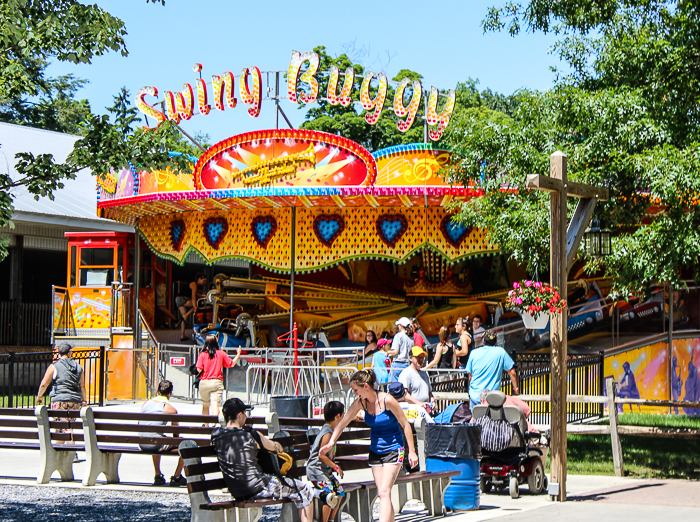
[415, 380]
[486, 366]
[237, 453]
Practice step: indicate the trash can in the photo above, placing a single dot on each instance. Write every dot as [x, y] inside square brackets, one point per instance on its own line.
[296, 406]
[450, 447]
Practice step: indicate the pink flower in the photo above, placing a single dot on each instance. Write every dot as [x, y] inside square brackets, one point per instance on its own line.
[528, 283]
[518, 301]
[537, 284]
[516, 285]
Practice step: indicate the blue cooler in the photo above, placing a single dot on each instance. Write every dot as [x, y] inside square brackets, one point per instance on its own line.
[450, 447]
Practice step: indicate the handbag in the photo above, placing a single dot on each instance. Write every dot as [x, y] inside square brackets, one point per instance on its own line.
[197, 376]
[272, 463]
[496, 435]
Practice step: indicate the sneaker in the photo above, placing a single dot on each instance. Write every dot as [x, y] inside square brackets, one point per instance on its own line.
[159, 480]
[332, 500]
[178, 481]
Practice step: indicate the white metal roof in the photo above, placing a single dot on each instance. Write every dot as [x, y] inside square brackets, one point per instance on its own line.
[75, 205]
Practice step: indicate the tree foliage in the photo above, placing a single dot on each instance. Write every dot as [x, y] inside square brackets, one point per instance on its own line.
[627, 117]
[32, 32]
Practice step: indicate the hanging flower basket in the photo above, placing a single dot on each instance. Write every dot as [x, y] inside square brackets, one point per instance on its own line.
[536, 302]
[534, 323]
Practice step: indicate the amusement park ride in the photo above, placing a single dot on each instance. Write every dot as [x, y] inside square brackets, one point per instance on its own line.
[341, 240]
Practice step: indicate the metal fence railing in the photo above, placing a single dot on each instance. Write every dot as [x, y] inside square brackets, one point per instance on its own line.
[21, 375]
[34, 320]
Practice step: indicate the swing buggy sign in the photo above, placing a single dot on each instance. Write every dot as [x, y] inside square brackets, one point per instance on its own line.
[180, 105]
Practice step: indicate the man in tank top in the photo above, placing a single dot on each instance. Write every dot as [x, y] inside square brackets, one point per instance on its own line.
[161, 404]
[68, 380]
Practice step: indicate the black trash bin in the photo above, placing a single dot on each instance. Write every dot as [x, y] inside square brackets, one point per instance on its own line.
[295, 406]
[450, 447]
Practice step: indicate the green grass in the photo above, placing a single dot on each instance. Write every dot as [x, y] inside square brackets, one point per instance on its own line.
[643, 457]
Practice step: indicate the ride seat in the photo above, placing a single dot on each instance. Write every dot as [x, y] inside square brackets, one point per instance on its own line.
[497, 410]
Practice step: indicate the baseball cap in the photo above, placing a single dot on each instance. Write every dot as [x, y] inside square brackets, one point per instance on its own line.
[490, 338]
[233, 407]
[403, 321]
[396, 390]
[64, 348]
[417, 351]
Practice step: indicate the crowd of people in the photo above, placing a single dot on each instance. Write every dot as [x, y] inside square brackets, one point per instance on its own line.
[402, 362]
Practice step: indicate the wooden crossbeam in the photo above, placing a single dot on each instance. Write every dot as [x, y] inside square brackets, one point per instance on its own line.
[576, 190]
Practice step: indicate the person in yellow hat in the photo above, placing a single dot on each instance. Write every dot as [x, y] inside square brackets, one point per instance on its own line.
[415, 380]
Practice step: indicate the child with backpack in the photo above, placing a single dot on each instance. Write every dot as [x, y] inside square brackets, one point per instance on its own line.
[320, 469]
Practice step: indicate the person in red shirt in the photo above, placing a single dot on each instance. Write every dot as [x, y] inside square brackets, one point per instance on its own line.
[210, 362]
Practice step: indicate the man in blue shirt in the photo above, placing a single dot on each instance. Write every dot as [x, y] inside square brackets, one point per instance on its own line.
[486, 366]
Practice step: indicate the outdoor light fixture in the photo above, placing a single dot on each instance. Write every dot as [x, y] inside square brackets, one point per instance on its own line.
[597, 240]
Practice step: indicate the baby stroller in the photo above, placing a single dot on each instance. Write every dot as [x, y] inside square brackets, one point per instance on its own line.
[511, 455]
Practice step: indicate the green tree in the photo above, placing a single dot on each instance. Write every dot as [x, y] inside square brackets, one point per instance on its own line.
[33, 32]
[627, 119]
[349, 121]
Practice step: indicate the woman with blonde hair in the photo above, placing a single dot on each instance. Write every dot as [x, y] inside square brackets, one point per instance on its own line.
[210, 362]
[388, 427]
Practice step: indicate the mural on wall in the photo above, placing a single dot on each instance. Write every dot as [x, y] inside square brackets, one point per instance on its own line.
[643, 373]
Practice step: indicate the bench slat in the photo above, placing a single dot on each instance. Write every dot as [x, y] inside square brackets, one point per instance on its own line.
[66, 414]
[19, 435]
[135, 439]
[202, 469]
[179, 417]
[67, 436]
[150, 428]
[19, 445]
[66, 425]
[17, 423]
[199, 452]
[17, 412]
[245, 504]
[206, 485]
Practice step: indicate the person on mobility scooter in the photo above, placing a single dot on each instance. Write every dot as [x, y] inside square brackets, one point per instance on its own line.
[512, 455]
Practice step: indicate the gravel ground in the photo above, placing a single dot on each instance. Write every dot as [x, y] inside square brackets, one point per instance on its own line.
[43, 504]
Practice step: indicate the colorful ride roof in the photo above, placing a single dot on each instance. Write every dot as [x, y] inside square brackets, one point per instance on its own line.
[237, 202]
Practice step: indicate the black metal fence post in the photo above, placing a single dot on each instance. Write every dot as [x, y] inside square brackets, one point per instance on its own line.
[601, 380]
[11, 380]
[101, 377]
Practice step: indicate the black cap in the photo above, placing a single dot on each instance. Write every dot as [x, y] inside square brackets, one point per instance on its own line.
[396, 390]
[490, 338]
[64, 348]
[233, 407]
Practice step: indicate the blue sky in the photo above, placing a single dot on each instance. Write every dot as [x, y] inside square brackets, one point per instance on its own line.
[441, 40]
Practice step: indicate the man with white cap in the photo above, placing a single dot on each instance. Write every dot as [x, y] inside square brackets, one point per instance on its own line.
[401, 347]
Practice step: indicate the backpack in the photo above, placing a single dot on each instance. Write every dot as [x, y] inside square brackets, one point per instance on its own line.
[496, 435]
[272, 463]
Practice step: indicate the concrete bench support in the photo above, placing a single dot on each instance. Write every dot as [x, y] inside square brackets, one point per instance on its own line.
[51, 459]
[97, 461]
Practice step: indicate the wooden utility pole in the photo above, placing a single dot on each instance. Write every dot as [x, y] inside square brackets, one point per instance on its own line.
[564, 244]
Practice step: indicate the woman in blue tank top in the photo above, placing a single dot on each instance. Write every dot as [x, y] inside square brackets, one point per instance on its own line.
[388, 427]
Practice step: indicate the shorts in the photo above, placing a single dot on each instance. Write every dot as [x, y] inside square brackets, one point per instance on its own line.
[330, 486]
[302, 495]
[155, 448]
[386, 459]
[69, 406]
[181, 301]
[211, 390]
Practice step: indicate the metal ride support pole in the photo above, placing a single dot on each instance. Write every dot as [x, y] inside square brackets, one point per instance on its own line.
[291, 275]
[296, 360]
[558, 332]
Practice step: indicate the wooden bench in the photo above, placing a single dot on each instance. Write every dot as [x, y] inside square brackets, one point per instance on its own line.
[58, 449]
[349, 456]
[31, 430]
[110, 434]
